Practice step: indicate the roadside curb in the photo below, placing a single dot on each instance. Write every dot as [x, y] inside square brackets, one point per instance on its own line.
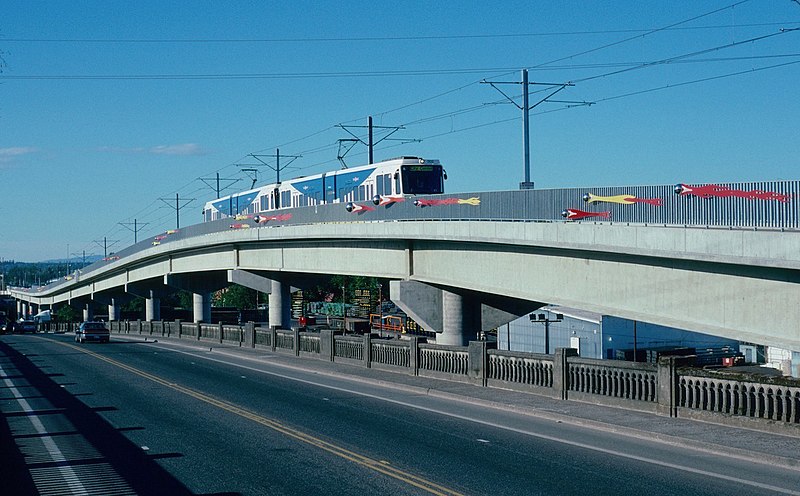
[532, 411]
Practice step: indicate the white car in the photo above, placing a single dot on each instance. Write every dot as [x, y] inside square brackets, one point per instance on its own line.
[92, 331]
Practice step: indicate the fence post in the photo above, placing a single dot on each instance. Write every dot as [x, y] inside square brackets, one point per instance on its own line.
[273, 337]
[477, 361]
[326, 344]
[250, 334]
[561, 371]
[367, 350]
[296, 335]
[413, 361]
[668, 384]
[139, 325]
[197, 326]
[221, 331]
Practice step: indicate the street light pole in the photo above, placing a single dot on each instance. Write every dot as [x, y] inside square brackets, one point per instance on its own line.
[344, 311]
[380, 306]
[543, 318]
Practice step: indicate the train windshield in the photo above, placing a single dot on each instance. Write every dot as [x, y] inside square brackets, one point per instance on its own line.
[422, 179]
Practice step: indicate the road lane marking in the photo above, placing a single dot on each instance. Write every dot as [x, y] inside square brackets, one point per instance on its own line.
[364, 461]
[65, 471]
[511, 429]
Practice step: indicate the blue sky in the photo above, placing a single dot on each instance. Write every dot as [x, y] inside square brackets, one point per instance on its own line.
[106, 107]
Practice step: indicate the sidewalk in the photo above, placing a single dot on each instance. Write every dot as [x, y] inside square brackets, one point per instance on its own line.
[744, 443]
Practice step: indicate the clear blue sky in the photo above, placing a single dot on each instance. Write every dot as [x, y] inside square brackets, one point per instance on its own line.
[108, 106]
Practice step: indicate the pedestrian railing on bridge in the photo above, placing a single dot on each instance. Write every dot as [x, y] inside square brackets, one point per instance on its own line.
[671, 387]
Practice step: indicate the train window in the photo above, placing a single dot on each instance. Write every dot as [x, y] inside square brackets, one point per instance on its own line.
[361, 193]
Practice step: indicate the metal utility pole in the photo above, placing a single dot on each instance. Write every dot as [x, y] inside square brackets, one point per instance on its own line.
[526, 108]
[216, 185]
[136, 228]
[277, 167]
[370, 141]
[178, 206]
[105, 245]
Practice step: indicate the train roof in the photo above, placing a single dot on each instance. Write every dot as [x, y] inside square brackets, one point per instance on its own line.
[396, 161]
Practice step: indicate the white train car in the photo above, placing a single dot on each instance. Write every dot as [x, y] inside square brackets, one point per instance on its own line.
[397, 176]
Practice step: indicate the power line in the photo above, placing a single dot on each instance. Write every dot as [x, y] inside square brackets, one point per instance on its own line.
[637, 32]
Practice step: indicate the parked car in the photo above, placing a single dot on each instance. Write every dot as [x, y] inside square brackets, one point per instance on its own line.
[8, 327]
[92, 331]
[24, 326]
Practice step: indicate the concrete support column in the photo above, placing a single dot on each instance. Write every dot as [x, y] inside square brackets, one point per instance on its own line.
[460, 320]
[34, 309]
[152, 308]
[19, 308]
[88, 314]
[280, 305]
[113, 311]
[202, 307]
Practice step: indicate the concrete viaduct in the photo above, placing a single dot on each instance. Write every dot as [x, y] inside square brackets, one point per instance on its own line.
[458, 277]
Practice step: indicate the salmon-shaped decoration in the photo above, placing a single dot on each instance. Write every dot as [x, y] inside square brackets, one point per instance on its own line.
[575, 214]
[385, 200]
[355, 208]
[714, 190]
[263, 219]
[448, 201]
[623, 199]
[239, 226]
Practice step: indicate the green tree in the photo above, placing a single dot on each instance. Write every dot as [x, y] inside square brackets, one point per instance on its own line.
[237, 296]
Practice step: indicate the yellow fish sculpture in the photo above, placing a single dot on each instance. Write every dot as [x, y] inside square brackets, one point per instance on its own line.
[624, 199]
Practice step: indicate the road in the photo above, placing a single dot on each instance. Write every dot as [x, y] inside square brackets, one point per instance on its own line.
[135, 417]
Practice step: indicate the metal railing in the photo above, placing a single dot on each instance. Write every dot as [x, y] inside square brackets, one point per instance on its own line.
[683, 392]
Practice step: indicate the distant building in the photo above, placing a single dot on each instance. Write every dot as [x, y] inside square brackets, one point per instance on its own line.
[608, 337]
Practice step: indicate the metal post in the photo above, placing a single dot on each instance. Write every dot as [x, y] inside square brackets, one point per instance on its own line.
[278, 165]
[344, 310]
[177, 212]
[370, 139]
[547, 337]
[526, 127]
[380, 307]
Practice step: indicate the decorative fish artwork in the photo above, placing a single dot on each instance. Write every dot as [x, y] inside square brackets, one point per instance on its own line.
[575, 214]
[448, 201]
[623, 199]
[716, 191]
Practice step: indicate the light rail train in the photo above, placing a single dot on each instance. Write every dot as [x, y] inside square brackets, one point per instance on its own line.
[397, 176]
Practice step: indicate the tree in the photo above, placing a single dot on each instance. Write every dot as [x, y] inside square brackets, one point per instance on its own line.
[237, 296]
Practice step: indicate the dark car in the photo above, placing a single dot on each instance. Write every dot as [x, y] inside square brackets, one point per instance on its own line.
[7, 327]
[26, 326]
[92, 331]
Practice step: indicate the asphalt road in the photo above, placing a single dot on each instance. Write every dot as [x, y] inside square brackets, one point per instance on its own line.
[149, 418]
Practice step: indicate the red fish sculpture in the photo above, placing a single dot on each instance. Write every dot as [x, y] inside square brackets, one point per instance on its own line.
[263, 219]
[382, 200]
[716, 191]
[575, 214]
[355, 208]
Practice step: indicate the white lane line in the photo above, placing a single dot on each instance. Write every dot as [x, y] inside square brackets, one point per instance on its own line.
[577, 444]
[66, 472]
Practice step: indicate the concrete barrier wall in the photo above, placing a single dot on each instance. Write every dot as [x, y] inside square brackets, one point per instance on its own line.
[663, 388]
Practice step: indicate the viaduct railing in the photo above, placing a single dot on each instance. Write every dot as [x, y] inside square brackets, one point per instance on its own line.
[671, 387]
